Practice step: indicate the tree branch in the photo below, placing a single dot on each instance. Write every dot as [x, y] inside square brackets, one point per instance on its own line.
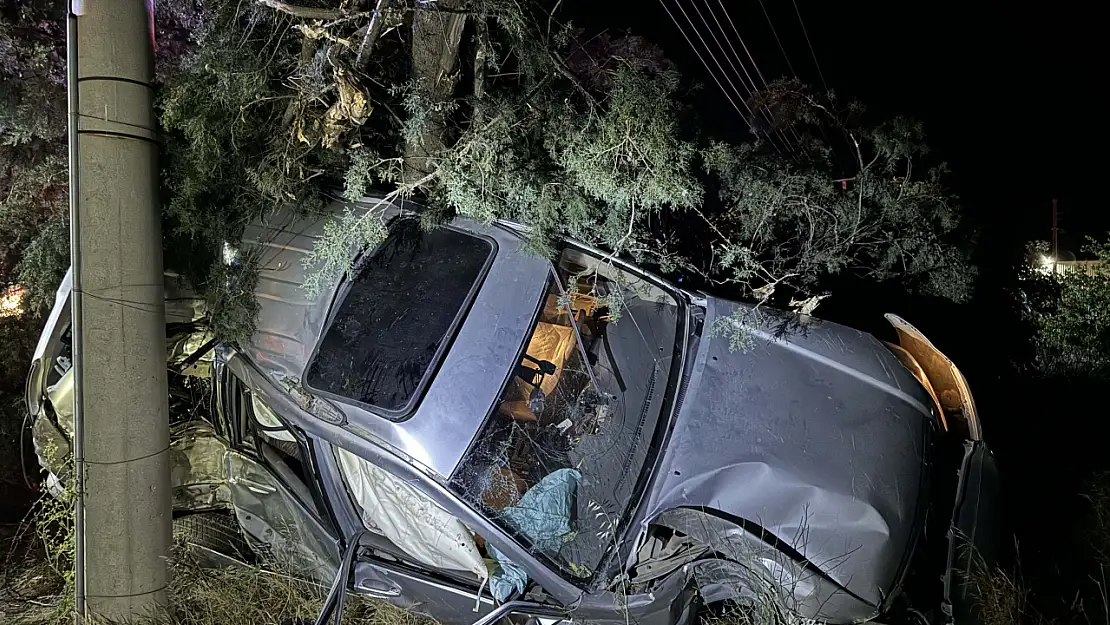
[569, 75]
[550, 17]
[308, 13]
[481, 54]
[372, 32]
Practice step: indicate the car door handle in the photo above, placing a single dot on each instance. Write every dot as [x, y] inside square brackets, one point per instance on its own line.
[378, 588]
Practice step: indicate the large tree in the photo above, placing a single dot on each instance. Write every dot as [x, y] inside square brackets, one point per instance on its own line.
[494, 109]
[33, 233]
[33, 230]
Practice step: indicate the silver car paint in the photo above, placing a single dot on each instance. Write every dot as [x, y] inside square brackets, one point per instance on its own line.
[818, 438]
[291, 324]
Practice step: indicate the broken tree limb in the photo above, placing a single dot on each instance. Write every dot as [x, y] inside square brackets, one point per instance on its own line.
[308, 13]
[321, 33]
[481, 56]
[377, 19]
[308, 47]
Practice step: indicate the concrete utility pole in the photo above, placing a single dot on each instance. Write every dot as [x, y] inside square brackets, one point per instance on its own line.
[121, 443]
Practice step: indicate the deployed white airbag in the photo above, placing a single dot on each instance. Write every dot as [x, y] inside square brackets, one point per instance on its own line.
[409, 519]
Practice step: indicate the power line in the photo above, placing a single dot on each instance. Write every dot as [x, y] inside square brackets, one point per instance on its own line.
[810, 44]
[703, 62]
[709, 51]
[847, 137]
[755, 65]
[777, 40]
[741, 39]
[750, 85]
[789, 65]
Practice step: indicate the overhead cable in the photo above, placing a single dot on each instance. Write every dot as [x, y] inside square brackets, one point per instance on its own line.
[810, 44]
[702, 59]
[755, 66]
[777, 40]
[709, 50]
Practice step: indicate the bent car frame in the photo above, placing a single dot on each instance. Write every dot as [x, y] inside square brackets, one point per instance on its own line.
[513, 436]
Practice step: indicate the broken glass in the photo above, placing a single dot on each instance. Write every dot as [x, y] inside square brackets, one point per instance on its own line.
[585, 395]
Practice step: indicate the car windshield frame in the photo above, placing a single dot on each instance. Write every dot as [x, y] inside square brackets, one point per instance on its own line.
[451, 333]
[670, 393]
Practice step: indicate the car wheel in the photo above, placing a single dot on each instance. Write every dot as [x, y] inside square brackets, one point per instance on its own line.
[214, 537]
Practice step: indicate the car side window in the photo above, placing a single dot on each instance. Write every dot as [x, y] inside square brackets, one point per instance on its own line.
[265, 428]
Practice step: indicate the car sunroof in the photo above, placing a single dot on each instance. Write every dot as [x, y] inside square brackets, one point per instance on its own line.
[398, 315]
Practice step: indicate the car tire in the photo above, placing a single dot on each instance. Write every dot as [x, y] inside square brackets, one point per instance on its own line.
[213, 537]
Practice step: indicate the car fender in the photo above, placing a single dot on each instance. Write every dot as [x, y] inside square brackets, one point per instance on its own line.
[744, 563]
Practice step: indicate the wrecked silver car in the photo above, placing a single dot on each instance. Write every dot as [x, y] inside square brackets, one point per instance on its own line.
[570, 438]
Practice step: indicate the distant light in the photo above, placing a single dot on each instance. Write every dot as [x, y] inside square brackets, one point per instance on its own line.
[1046, 261]
[230, 254]
[11, 302]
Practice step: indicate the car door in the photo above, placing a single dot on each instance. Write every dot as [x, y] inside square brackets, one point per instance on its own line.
[386, 568]
[274, 494]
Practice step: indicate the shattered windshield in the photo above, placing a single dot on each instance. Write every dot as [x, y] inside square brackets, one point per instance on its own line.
[557, 461]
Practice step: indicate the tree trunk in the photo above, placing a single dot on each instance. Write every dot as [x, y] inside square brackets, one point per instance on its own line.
[435, 50]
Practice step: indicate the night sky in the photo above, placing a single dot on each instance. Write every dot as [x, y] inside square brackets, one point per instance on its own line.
[1007, 95]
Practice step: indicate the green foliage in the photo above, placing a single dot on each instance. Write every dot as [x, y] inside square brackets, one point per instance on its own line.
[18, 335]
[342, 239]
[601, 148]
[32, 76]
[45, 262]
[786, 222]
[230, 157]
[32, 147]
[364, 172]
[1071, 315]
[54, 521]
[221, 116]
[572, 134]
[631, 155]
[35, 196]
[232, 305]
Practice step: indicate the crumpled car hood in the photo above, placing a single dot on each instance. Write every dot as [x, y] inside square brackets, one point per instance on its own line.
[817, 438]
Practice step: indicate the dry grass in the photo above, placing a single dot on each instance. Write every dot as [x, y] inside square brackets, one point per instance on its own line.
[1098, 494]
[29, 586]
[1003, 599]
[233, 595]
[766, 613]
[238, 595]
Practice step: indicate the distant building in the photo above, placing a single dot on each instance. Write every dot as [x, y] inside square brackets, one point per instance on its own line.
[1090, 267]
